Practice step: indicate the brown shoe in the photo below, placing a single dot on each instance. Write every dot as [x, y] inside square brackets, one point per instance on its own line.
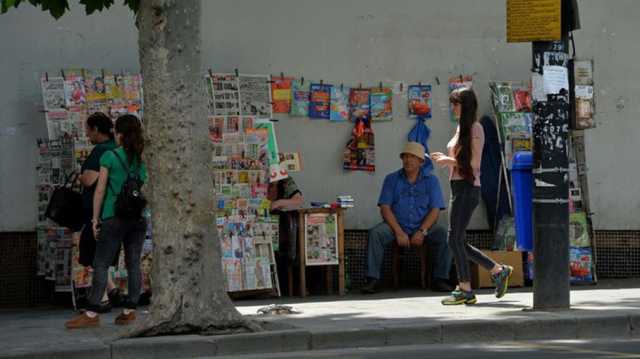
[125, 319]
[82, 321]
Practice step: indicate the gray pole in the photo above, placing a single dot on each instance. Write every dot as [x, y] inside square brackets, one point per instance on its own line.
[551, 189]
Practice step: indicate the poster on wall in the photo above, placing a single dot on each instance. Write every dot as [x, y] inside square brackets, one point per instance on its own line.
[281, 94]
[255, 96]
[381, 103]
[419, 99]
[320, 101]
[321, 239]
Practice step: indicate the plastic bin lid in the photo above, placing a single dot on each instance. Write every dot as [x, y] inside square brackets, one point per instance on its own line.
[522, 160]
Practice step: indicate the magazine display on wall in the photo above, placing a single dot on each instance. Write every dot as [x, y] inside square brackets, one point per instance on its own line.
[244, 147]
[68, 99]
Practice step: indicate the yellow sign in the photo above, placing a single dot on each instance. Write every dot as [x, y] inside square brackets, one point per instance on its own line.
[533, 20]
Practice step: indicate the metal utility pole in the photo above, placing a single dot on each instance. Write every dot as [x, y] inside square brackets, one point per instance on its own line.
[551, 182]
[551, 105]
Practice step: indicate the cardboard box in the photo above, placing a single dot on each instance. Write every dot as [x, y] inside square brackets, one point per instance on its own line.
[481, 278]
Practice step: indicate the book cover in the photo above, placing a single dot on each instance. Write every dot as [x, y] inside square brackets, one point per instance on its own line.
[381, 102]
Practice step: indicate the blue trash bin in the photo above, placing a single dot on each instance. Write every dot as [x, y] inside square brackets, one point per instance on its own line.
[522, 189]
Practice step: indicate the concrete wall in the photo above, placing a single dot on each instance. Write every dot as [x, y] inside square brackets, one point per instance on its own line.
[350, 42]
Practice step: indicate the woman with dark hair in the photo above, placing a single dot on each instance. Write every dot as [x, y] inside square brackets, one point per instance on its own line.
[99, 130]
[463, 160]
[110, 230]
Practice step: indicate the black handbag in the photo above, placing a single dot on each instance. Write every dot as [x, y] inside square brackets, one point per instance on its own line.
[65, 205]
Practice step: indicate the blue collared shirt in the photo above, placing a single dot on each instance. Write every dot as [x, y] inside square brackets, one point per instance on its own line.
[410, 203]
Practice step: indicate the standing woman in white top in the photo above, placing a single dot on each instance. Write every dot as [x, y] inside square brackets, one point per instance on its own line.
[464, 154]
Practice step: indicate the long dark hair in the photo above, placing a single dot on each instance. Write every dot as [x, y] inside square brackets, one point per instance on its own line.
[102, 123]
[129, 127]
[468, 115]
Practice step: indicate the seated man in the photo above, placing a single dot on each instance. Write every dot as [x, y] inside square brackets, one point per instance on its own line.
[410, 203]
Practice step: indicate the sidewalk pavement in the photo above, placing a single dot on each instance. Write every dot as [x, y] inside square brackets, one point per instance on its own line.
[608, 310]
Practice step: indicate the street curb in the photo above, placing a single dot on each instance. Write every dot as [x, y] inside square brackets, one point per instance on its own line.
[94, 352]
[547, 326]
[350, 338]
[264, 342]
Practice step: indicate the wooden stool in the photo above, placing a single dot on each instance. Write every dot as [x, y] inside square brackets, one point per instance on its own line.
[424, 268]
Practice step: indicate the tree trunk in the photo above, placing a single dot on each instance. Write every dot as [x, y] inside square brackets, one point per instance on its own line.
[188, 282]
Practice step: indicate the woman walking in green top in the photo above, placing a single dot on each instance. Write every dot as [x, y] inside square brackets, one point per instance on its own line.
[110, 230]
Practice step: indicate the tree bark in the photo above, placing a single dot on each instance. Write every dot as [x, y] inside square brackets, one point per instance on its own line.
[188, 282]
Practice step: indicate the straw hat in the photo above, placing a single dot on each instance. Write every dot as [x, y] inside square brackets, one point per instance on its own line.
[414, 148]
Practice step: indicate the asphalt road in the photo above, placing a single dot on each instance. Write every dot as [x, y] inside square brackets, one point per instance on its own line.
[582, 349]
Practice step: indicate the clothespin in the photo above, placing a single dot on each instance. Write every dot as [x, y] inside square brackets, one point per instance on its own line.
[461, 79]
[282, 75]
[360, 85]
[380, 85]
[62, 73]
[341, 87]
[420, 83]
[302, 80]
[210, 73]
[401, 86]
[321, 82]
[46, 76]
[102, 73]
[236, 71]
[437, 80]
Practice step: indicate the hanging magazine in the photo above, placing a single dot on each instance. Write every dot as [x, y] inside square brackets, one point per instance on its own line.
[255, 96]
[339, 104]
[578, 230]
[94, 86]
[320, 101]
[581, 265]
[74, 93]
[502, 96]
[359, 104]
[359, 154]
[281, 94]
[226, 96]
[53, 93]
[300, 94]
[381, 104]
[419, 100]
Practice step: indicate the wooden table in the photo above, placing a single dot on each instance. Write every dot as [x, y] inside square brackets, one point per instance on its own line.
[301, 213]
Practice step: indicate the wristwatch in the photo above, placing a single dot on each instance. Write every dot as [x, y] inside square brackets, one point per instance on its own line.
[424, 232]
